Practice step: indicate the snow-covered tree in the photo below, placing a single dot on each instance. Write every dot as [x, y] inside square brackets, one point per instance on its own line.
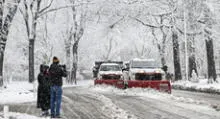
[8, 10]
[32, 11]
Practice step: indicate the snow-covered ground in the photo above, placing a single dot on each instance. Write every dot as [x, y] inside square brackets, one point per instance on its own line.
[202, 86]
[12, 115]
[21, 92]
[17, 92]
[80, 83]
[143, 92]
[186, 103]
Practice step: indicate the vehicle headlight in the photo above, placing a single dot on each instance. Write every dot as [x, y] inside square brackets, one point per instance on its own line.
[142, 71]
[121, 77]
[163, 76]
[133, 76]
[99, 76]
[158, 71]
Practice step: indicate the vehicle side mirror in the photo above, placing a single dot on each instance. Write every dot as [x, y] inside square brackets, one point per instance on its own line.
[165, 68]
[125, 69]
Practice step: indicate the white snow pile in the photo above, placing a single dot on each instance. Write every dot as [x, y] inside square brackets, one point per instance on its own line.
[22, 91]
[80, 83]
[149, 93]
[112, 109]
[17, 92]
[162, 99]
[12, 115]
[202, 86]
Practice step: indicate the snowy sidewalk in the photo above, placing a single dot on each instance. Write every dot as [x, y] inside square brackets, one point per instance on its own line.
[201, 86]
[12, 115]
[17, 92]
[24, 94]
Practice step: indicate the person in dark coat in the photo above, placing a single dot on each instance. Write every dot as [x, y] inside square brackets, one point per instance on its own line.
[44, 90]
[56, 72]
[40, 75]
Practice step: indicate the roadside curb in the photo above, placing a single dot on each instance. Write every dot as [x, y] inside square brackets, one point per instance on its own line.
[196, 89]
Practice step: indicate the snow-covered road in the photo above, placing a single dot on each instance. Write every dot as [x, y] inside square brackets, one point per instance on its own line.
[104, 102]
[209, 99]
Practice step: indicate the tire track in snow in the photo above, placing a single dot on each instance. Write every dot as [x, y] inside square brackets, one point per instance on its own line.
[84, 107]
[112, 109]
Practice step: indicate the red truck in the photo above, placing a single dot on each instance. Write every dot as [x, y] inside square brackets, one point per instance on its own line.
[138, 73]
[146, 73]
[109, 73]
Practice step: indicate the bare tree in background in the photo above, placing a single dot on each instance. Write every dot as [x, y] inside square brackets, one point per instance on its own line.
[47, 49]
[176, 56]
[5, 23]
[31, 12]
[175, 40]
[75, 33]
[111, 39]
[67, 40]
[164, 30]
[193, 13]
[208, 22]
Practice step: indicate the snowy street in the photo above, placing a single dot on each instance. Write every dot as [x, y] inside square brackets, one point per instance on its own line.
[110, 59]
[106, 102]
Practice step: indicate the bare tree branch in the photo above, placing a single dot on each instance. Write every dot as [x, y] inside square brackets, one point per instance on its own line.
[1, 12]
[26, 17]
[145, 24]
[62, 7]
[189, 34]
[113, 25]
[47, 7]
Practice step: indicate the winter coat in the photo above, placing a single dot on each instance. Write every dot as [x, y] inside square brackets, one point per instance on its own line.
[44, 90]
[56, 74]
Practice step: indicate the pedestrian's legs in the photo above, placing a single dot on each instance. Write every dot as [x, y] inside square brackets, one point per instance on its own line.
[59, 100]
[52, 100]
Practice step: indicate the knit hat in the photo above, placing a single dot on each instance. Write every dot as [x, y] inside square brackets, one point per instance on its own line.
[55, 59]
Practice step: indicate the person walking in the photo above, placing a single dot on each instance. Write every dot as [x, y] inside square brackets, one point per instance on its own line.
[56, 72]
[43, 100]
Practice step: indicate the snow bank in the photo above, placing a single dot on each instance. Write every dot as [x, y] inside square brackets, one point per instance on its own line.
[20, 92]
[201, 86]
[162, 99]
[13, 115]
[17, 92]
[113, 110]
[149, 93]
[80, 83]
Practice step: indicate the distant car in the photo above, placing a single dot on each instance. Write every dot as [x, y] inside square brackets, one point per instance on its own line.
[110, 74]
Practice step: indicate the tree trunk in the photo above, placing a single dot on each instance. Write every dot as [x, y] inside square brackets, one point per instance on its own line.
[163, 61]
[1, 67]
[68, 61]
[210, 59]
[75, 62]
[176, 57]
[4, 30]
[192, 58]
[31, 60]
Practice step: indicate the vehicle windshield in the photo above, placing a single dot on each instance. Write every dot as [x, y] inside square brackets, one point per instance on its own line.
[110, 68]
[144, 64]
